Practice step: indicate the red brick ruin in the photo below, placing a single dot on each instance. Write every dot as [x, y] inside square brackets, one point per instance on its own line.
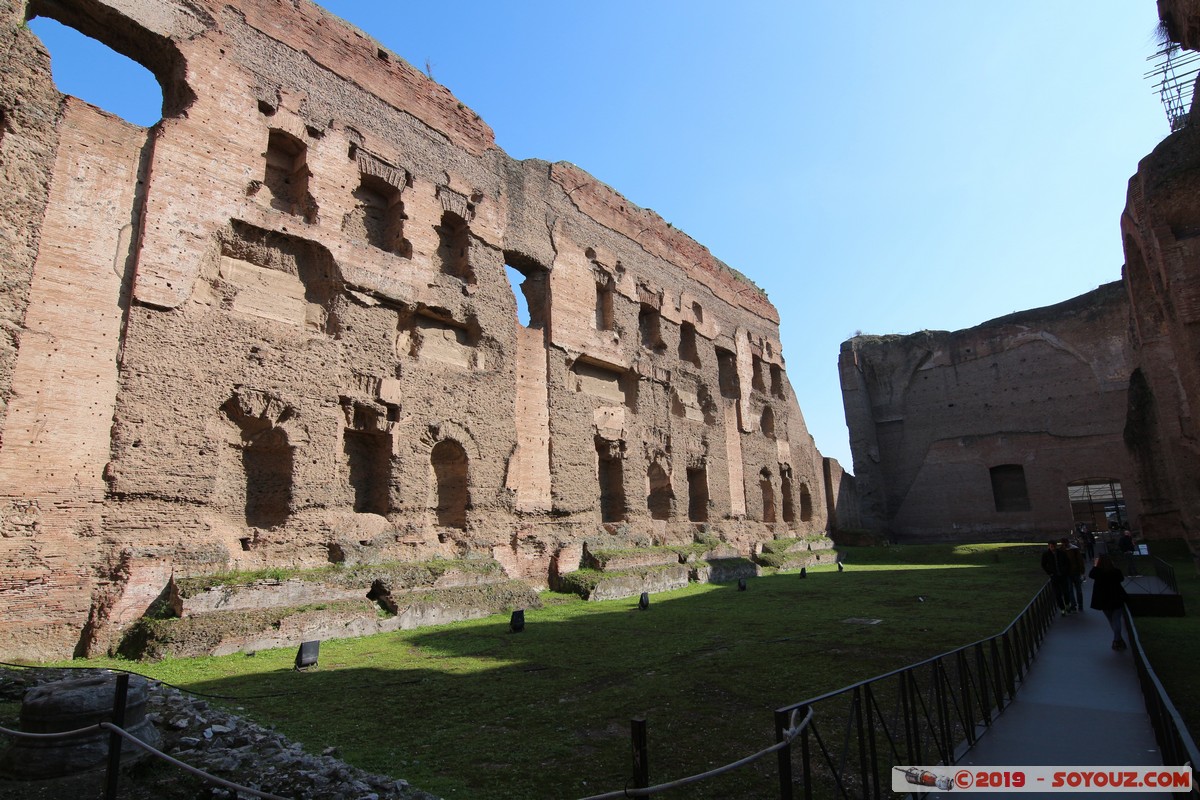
[275, 330]
[982, 432]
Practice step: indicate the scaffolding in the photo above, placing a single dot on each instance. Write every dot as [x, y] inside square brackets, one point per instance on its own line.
[1099, 502]
[1174, 73]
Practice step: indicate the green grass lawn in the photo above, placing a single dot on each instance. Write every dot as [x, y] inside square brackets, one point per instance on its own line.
[1173, 643]
[472, 710]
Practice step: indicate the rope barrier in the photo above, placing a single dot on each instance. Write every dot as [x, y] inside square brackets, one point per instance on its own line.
[59, 735]
[789, 736]
[136, 742]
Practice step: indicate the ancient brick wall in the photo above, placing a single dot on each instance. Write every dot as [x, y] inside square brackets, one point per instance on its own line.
[276, 329]
[942, 422]
[1162, 277]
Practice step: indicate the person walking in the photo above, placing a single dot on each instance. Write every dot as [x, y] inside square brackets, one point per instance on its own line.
[1089, 541]
[1054, 564]
[1075, 570]
[1108, 595]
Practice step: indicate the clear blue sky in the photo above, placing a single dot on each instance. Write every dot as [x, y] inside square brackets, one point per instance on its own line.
[875, 166]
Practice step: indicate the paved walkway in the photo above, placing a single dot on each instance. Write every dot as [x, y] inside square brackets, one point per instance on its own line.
[1081, 705]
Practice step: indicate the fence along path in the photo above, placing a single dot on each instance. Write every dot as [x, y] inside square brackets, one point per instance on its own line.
[1081, 705]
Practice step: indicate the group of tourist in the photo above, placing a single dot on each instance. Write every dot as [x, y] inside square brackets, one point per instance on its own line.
[1065, 563]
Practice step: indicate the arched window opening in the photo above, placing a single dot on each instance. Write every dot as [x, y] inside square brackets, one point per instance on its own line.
[768, 496]
[88, 69]
[378, 217]
[449, 461]
[1008, 488]
[697, 478]
[661, 496]
[530, 283]
[806, 508]
[369, 464]
[785, 495]
[454, 247]
[698, 313]
[611, 477]
[687, 344]
[767, 422]
[286, 175]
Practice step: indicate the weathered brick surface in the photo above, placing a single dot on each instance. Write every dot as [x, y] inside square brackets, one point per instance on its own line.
[931, 413]
[276, 329]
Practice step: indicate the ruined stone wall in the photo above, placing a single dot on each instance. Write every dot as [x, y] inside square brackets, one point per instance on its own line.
[1162, 277]
[276, 329]
[940, 420]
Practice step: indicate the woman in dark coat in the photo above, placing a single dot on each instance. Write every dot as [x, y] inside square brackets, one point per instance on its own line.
[1108, 595]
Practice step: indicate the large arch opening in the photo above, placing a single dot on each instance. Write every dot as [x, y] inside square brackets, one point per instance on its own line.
[449, 462]
[1098, 503]
[110, 61]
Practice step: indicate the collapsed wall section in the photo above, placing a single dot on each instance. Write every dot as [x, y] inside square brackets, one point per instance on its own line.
[277, 329]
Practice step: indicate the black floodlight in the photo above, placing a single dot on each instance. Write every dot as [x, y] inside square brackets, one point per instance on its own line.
[741, 584]
[517, 623]
[804, 572]
[306, 656]
[840, 567]
[644, 601]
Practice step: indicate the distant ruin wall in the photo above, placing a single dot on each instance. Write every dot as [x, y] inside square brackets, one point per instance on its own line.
[941, 422]
[276, 329]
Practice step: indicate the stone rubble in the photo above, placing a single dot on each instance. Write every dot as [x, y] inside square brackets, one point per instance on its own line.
[238, 750]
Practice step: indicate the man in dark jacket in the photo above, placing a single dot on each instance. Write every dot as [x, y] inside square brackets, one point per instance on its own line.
[1054, 564]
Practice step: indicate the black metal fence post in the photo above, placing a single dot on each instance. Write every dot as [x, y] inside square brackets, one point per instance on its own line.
[114, 739]
[641, 767]
[785, 755]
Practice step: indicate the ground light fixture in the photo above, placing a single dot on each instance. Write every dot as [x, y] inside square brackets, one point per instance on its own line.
[741, 584]
[516, 623]
[306, 656]
[644, 601]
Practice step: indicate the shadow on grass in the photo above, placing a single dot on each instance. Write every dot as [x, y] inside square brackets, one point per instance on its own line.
[473, 710]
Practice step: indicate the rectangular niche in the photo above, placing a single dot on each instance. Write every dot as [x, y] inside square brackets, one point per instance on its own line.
[278, 277]
[369, 464]
[443, 342]
[600, 382]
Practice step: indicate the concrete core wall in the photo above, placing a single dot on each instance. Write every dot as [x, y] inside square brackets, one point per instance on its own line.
[276, 329]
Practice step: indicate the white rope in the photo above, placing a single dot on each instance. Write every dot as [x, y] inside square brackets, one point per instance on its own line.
[63, 735]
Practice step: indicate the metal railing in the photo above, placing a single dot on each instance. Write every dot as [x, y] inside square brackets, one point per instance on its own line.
[1134, 566]
[117, 735]
[1174, 740]
[924, 713]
